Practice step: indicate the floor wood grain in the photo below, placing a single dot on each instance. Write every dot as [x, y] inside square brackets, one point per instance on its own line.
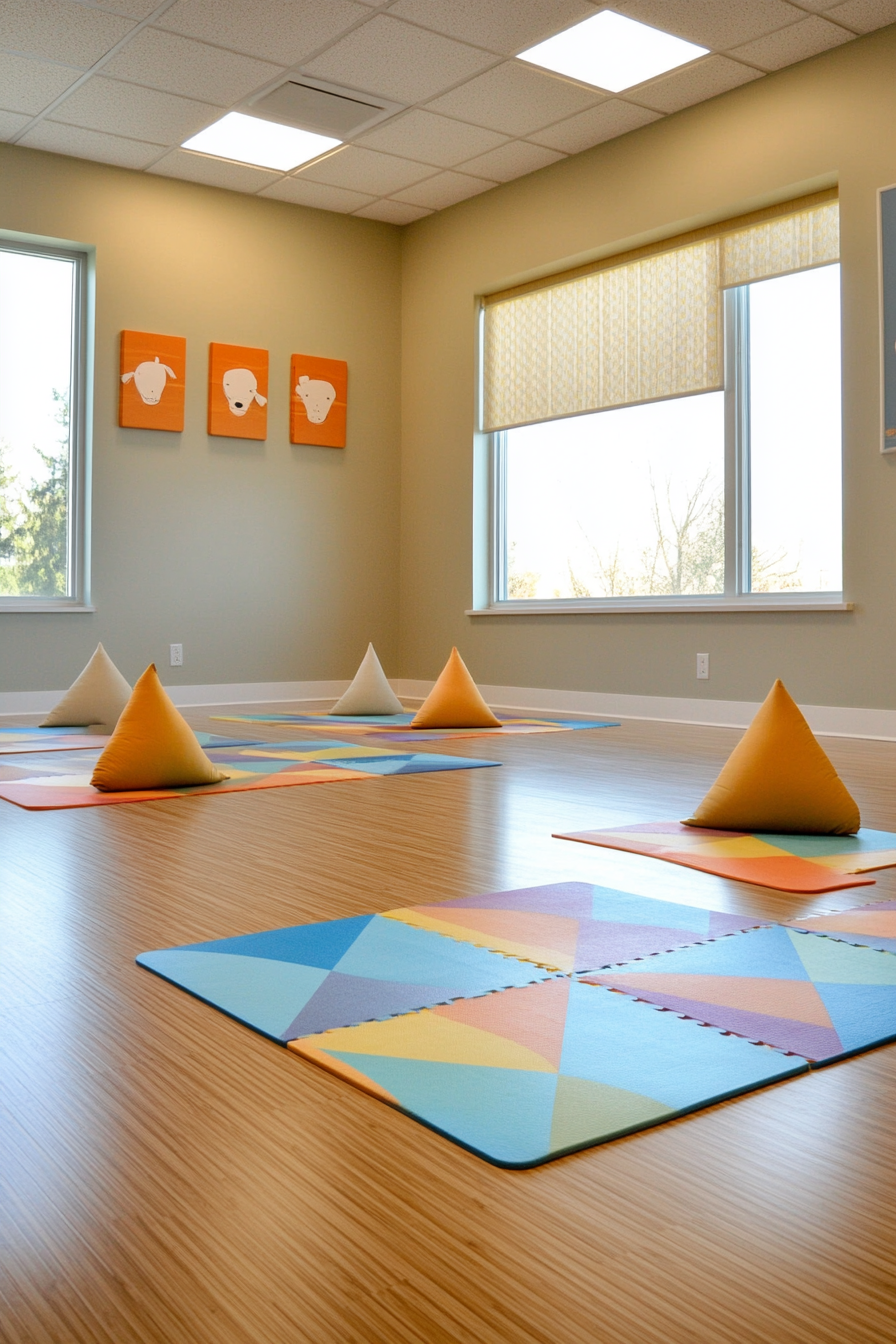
[167, 1175]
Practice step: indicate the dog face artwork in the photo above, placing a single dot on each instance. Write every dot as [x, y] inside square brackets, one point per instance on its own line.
[318, 397]
[237, 391]
[149, 380]
[241, 389]
[152, 375]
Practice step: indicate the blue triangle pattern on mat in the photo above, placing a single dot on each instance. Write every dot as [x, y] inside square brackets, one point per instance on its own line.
[262, 993]
[739, 954]
[311, 944]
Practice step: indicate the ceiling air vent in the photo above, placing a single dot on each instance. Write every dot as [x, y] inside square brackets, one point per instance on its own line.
[322, 109]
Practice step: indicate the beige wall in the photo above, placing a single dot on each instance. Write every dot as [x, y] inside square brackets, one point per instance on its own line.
[268, 562]
[832, 118]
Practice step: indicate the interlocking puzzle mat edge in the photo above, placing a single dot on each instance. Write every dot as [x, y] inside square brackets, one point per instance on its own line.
[307, 978]
[797, 991]
[630, 1109]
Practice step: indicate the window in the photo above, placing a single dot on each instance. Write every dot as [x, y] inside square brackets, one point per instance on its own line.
[667, 431]
[43, 466]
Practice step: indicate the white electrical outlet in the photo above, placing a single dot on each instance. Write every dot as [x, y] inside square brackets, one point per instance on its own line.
[177, 655]
[703, 667]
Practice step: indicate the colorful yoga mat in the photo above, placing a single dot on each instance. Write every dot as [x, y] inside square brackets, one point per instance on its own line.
[802, 863]
[520, 1064]
[396, 727]
[46, 782]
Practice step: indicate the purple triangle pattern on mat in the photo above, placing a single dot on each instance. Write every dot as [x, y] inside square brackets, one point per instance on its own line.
[573, 926]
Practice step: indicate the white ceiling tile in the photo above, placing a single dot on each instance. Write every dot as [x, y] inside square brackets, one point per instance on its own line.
[132, 9]
[514, 99]
[397, 60]
[111, 106]
[502, 27]
[83, 144]
[10, 122]
[604, 122]
[392, 212]
[359, 169]
[298, 191]
[180, 65]
[282, 31]
[793, 44]
[59, 30]
[213, 172]
[511, 160]
[430, 139]
[864, 16]
[443, 189]
[28, 86]
[695, 83]
[718, 24]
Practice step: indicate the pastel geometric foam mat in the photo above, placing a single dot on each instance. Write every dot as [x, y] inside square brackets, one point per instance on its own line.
[529, 1074]
[866, 925]
[291, 982]
[45, 782]
[571, 926]
[396, 727]
[802, 863]
[798, 991]
[17, 740]
[521, 1063]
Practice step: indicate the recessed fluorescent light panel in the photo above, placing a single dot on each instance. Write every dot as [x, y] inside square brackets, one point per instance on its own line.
[612, 52]
[267, 144]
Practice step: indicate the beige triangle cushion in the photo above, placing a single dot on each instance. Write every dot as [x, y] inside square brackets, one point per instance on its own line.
[370, 692]
[778, 779]
[455, 701]
[96, 698]
[153, 746]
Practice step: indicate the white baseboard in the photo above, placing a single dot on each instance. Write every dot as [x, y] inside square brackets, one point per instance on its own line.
[196, 697]
[826, 720]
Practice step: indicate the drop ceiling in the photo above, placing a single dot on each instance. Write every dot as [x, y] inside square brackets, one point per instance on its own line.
[446, 112]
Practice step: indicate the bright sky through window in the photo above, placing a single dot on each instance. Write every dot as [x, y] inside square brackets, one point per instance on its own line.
[612, 52]
[266, 144]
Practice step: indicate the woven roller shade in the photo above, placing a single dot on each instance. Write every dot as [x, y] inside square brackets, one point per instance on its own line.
[645, 330]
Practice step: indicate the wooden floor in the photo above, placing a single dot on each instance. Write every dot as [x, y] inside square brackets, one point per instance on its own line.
[168, 1175]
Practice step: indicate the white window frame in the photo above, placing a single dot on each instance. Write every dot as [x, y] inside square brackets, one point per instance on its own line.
[80, 423]
[737, 596]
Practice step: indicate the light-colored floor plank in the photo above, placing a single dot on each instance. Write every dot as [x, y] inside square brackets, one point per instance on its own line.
[169, 1176]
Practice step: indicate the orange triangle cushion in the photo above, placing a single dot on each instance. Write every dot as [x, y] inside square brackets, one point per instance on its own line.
[455, 701]
[778, 779]
[153, 746]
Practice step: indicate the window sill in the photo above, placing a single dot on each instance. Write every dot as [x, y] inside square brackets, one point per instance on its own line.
[688, 606]
[26, 607]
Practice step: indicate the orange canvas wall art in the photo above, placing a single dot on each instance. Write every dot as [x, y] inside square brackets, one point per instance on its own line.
[237, 391]
[318, 400]
[151, 387]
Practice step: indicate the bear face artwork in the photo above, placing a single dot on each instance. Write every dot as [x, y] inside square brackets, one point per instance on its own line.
[317, 396]
[241, 389]
[149, 380]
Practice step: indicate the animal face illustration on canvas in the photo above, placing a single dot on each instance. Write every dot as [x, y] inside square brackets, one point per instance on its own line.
[241, 389]
[149, 379]
[317, 397]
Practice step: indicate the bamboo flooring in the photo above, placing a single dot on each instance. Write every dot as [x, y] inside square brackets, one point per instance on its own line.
[168, 1175]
